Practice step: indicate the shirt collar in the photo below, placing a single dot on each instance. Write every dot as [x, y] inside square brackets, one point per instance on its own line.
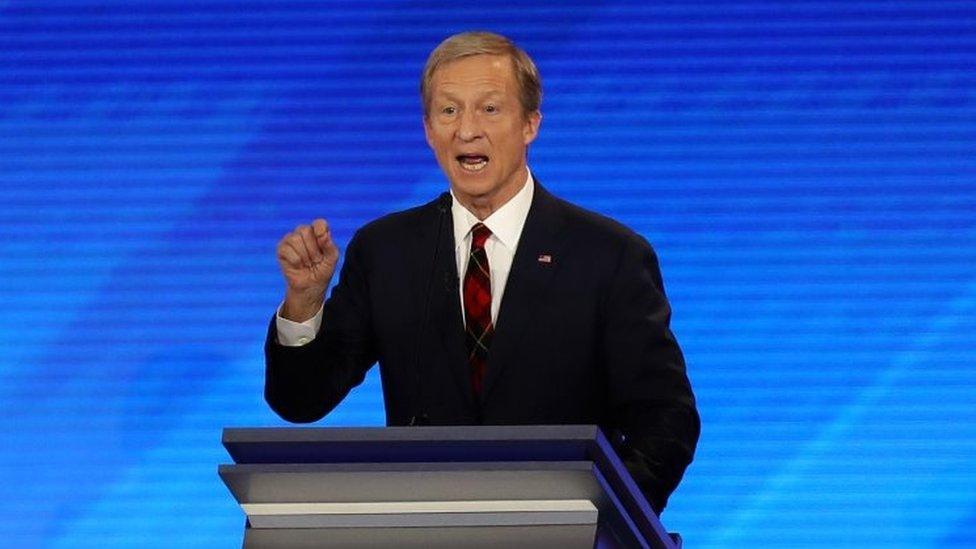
[506, 222]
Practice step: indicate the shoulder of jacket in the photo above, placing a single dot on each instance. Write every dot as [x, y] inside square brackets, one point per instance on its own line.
[588, 224]
[396, 224]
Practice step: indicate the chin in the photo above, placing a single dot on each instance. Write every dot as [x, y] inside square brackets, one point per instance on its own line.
[473, 191]
[473, 184]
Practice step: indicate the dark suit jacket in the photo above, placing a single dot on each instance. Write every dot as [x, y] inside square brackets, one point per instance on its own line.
[581, 339]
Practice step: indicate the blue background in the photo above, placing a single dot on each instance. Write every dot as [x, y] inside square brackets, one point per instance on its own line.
[805, 170]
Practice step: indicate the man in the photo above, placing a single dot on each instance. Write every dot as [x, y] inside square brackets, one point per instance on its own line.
[496, 304]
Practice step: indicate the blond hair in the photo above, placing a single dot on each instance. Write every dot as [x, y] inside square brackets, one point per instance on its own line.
[466, 44]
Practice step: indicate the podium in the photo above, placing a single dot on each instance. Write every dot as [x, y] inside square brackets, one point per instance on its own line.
[467, 486]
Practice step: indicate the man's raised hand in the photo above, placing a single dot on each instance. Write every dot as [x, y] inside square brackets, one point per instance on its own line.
[307, 257]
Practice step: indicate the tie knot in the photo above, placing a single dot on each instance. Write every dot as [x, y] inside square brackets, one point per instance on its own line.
[479, 234]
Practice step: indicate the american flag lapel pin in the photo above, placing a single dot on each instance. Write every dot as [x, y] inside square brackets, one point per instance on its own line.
[545, 259]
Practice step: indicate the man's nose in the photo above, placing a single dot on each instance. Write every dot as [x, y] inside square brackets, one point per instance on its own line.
[470, 126]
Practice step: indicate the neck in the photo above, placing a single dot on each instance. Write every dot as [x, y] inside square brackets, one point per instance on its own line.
[481, 210]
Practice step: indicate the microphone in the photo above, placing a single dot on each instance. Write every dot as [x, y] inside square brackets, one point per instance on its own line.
[444, 202]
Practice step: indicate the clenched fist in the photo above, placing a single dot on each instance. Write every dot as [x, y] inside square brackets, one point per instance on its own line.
[307, 257]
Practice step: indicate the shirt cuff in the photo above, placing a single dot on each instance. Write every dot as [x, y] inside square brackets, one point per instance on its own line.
[296, 334]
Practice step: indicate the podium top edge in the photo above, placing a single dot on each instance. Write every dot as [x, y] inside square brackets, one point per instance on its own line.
[466, 433]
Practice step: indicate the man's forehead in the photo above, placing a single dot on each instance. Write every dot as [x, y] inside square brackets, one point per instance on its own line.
[489, 91]
[482, 80]
[475, 67]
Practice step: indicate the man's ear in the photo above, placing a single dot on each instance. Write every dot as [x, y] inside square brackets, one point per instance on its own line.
[427, 130]
[530, 130]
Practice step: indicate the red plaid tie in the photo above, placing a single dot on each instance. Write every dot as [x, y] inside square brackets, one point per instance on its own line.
[477, 306]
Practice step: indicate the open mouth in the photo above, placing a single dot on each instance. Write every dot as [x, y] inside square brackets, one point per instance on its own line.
[472, 162]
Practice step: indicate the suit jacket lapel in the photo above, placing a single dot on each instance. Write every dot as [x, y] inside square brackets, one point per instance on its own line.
[445, 309]
[535, 262]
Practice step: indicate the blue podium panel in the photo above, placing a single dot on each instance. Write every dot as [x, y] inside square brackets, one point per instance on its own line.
[567, 477]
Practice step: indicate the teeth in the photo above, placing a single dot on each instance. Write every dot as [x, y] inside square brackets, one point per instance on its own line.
[476, 167]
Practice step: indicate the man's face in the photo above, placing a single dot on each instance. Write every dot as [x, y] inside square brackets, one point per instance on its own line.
[477, 128]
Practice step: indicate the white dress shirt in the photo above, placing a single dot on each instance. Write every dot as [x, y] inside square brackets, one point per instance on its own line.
[506, 224]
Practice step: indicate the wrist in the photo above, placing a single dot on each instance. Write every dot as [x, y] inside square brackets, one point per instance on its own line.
[301, 306]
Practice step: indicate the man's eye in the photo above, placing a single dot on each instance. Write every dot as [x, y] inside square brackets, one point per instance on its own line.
[491, 108]
[448, 110]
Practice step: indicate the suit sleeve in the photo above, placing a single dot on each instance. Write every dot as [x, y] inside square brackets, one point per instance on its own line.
[303, 384]
[650, 395]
